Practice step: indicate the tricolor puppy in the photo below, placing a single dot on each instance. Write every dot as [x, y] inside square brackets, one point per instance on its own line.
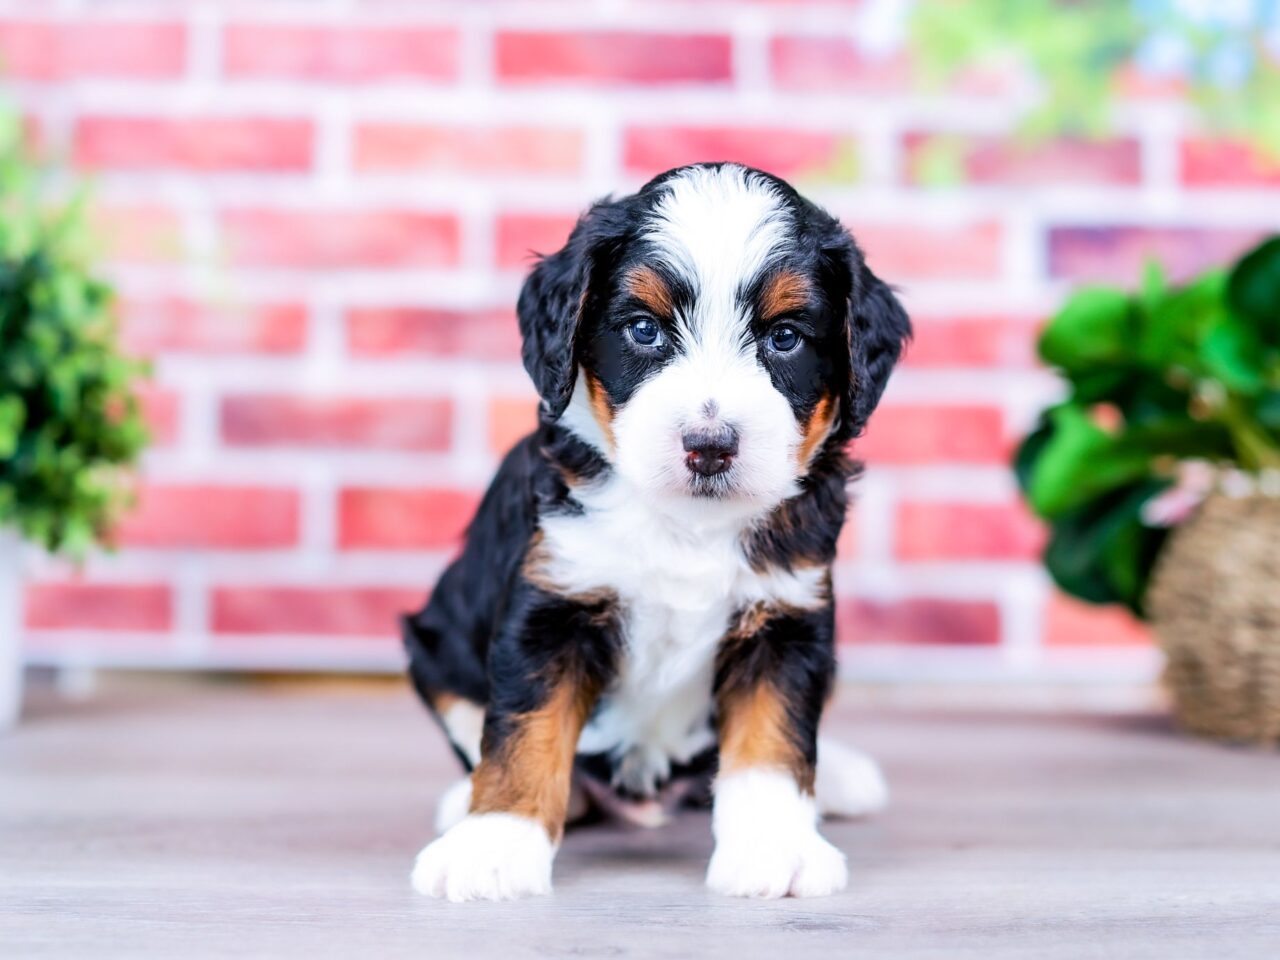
[644, 599]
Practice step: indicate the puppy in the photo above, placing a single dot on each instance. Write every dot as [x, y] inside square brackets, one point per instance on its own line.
[644, 598]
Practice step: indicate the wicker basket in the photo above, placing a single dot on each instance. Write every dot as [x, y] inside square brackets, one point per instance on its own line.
[1215, 605]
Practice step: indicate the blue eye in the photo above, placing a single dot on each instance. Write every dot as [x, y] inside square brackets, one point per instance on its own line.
[645, 332]
[784, 338]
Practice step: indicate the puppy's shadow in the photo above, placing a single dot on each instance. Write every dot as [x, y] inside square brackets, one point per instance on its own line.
[686, 838]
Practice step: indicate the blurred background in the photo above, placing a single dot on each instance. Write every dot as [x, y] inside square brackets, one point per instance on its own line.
[317, 216]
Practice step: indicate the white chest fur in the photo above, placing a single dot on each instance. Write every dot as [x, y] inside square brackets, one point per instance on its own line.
[679, 574]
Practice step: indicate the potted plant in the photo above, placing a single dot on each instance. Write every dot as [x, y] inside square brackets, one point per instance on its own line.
[69, 418]
[1159, 476]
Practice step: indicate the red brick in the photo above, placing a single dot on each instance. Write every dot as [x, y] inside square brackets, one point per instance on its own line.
[929, 530]
[520, 236]
[783, 151]
[1074, 623]
[161, 408]
[925, 436]
[392, 331]
[1227, 163]
[829, 64]
[206, 144]
[387, 518]
[1118, 254]
[400, 423]
[76, 605]
[398, 147]
[918, 621]
[341, 238]
[612, 57]
[511, 419]
[136, 49]
[138, 233]
[999, 160]
[212, 517]
[176, 325]
[340, 54]
[973, 341]
[328, 611]
[902, 252]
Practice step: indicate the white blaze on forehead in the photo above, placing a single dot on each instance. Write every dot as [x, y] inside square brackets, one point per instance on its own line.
[719, 228]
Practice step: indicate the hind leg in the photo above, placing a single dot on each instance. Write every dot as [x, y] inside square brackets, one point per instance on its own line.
[847, 782]
[463, 723]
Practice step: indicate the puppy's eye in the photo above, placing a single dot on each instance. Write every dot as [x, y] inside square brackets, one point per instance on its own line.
[645, 332]
[784, 338]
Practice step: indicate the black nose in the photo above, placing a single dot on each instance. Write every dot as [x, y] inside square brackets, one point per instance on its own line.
[710, 451]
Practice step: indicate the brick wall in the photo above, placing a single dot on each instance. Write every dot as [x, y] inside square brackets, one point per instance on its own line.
[318, 215]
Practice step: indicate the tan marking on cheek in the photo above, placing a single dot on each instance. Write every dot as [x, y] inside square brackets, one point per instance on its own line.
[536, 560]
[816, 430]
[529, 773]
[751, 621]
[647, 286]
[785, 293]
[601, 410]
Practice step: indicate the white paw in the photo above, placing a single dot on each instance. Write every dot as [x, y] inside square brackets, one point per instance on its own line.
[453, 805]
[805, 866]
[487, 856]
[767, 841]
[848, 783]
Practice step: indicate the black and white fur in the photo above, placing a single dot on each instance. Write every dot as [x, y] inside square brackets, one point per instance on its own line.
[649, 573]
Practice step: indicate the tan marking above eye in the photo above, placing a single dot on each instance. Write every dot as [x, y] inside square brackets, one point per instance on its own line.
[785, 292]
[816, 430]
[647, 286]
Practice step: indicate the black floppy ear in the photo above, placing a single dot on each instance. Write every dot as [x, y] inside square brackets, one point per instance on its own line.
[878, 330]
[876, 327]
[552, 304]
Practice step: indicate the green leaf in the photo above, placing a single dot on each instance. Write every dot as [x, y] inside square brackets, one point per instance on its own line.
[1102, 552]
[1078, 462]
[1233, 354]
[1180, 437]
[1030, 451]
[1154, 286]
[1175, 325]
[1094, 327]
[1267, 410]
[13, 414]
[1253, 290]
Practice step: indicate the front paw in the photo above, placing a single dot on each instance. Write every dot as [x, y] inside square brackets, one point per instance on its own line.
[768, 868]
[487, 856]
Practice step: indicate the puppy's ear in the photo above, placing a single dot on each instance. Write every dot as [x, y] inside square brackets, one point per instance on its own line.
[553, 302]
[876, 327]
[878, 330]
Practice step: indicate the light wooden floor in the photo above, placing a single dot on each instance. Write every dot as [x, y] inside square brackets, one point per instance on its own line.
[220, 820]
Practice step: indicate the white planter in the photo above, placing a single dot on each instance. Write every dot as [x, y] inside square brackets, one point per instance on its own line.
[10, 628]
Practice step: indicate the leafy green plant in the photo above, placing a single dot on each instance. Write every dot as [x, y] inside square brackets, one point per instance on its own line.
[69, 417]
[1158, 378]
